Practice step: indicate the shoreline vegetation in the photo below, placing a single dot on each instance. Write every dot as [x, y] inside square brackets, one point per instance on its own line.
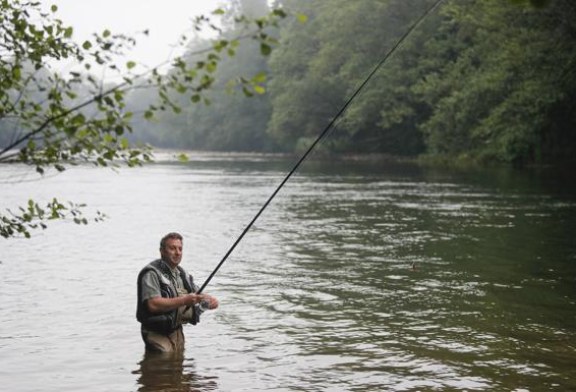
[172, 155]
[175, 155]
[479, 83]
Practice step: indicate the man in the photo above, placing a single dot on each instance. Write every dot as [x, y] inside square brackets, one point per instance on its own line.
[167, 299]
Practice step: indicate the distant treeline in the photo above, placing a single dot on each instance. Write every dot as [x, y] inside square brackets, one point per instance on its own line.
[487, 81]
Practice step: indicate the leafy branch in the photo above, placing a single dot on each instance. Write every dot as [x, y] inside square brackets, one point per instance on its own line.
[62, 120]
[34, 216]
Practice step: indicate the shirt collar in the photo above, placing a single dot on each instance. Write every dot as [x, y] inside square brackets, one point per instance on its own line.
[174, 271]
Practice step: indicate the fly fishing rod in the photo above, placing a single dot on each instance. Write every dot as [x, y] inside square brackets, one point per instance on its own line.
[319, 138]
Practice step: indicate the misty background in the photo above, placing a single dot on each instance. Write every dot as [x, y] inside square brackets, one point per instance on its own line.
[479, 81]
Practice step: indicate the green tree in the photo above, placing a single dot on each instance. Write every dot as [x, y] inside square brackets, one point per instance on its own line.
[499, 98]
[490, 81]
[319, 67]
[51, 120]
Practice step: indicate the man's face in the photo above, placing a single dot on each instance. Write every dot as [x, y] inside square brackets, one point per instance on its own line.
[172, 252]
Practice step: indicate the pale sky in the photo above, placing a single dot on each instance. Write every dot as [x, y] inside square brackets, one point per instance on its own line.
[166, 21]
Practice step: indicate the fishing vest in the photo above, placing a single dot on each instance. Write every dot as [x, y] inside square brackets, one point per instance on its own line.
[163, 323]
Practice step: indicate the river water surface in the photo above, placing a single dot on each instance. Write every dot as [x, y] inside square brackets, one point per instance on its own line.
[358, 277]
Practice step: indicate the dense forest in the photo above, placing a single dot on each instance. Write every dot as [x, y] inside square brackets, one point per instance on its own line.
[484, 81]
[480, 81]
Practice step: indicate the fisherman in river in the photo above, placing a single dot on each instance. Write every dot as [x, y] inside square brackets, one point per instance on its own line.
[167, 299]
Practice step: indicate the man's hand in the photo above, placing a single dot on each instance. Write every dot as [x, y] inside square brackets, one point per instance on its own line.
[208, 301]
[204, 300]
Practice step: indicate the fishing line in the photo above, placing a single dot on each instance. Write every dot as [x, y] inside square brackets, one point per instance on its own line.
[319, 138]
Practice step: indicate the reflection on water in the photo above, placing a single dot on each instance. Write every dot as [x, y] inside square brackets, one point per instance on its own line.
[357, 277]
[171, 372]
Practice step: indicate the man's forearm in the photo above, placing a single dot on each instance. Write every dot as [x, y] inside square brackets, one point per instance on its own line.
[162, 305]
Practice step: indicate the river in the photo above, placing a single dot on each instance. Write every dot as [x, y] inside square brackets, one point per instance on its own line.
[358, 277]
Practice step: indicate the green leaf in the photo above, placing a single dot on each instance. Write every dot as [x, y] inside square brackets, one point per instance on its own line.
[260, 77]
[279, 12]
[130, 64]
[265, 49]
[54, 8]
[247, 92]
[211, 67]
[119, 129]
[221, 44]
[16, 72]
[78, 119]
[87, 45]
